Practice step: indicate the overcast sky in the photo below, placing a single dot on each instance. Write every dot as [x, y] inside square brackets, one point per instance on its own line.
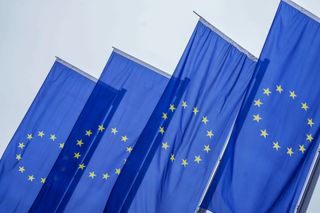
[82, 32]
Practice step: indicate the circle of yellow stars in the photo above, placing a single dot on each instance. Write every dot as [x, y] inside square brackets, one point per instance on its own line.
[76, 155]
[264, 133]
[165, 146]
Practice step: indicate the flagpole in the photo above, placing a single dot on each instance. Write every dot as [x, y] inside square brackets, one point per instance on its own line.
[157, 70]
[227, 38]
[309, 184]
[301, 9]
[67, 64]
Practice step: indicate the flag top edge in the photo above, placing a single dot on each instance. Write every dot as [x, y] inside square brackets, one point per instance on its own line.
[157, 70]
[227, 38]
[76, 69]
[302, 10]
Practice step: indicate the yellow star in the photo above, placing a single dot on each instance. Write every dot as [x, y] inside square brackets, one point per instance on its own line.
[276, 145]
[164, 116]
[197, 159]
[18, 157]
[43, 180]
[304, 106]
[92, 174]
[53, 137]
[293, 95]
[165, 145]
[257, 118]
[79, 143]
[124, 138]
[195, 110]
[22, 169]
[29, 136]
[279, 89]
[81, 166]
[40, 134]
[77, 155]
[118, 171]
[266, 92]
[207, 148]
[258, 103]
[290, 152]
[88, 133]
[101, 128]
[114, 131]
[309, 138]
[105, 176]
[30, 178]
[129, 149]
[264, 133]
[172, 157]
[161, 130]
[172, 107]
[184, 104]
[21, 145]
[61, 145]
[210, 134]
[310, 122]
[184, 162]
[302, 149]
[205, 120]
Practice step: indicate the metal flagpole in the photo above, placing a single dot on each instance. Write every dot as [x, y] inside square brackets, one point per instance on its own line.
[141, 62]
[225, 37]
[67, 64]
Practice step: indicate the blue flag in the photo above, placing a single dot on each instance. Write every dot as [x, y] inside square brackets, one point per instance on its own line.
[41, 135]
[175, 155]
[103, 137]
[276, 138]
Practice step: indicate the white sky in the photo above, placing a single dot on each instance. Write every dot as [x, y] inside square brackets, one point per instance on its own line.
[82, 32]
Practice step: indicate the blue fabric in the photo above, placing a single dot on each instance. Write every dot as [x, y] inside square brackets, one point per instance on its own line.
[65, 172]
[54, 111]
[266, 173]
[138, 90]
[212, 76]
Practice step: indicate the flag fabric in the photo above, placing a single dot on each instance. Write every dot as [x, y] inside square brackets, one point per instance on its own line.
[273, 145]
[103, 137]
[41, 135]
[173, 159]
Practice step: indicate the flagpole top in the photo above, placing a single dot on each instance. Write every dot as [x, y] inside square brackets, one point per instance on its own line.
[76, 69]
[225, 37]
[155, 69]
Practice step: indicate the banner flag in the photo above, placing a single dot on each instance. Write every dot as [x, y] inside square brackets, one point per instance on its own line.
[41, 135]
[103, 137]
[173, 159]
[270, 153]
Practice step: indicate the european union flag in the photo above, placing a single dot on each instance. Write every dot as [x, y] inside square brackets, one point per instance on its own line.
[175, 155]
[276, 138]
[40, 137]
[103, 137]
